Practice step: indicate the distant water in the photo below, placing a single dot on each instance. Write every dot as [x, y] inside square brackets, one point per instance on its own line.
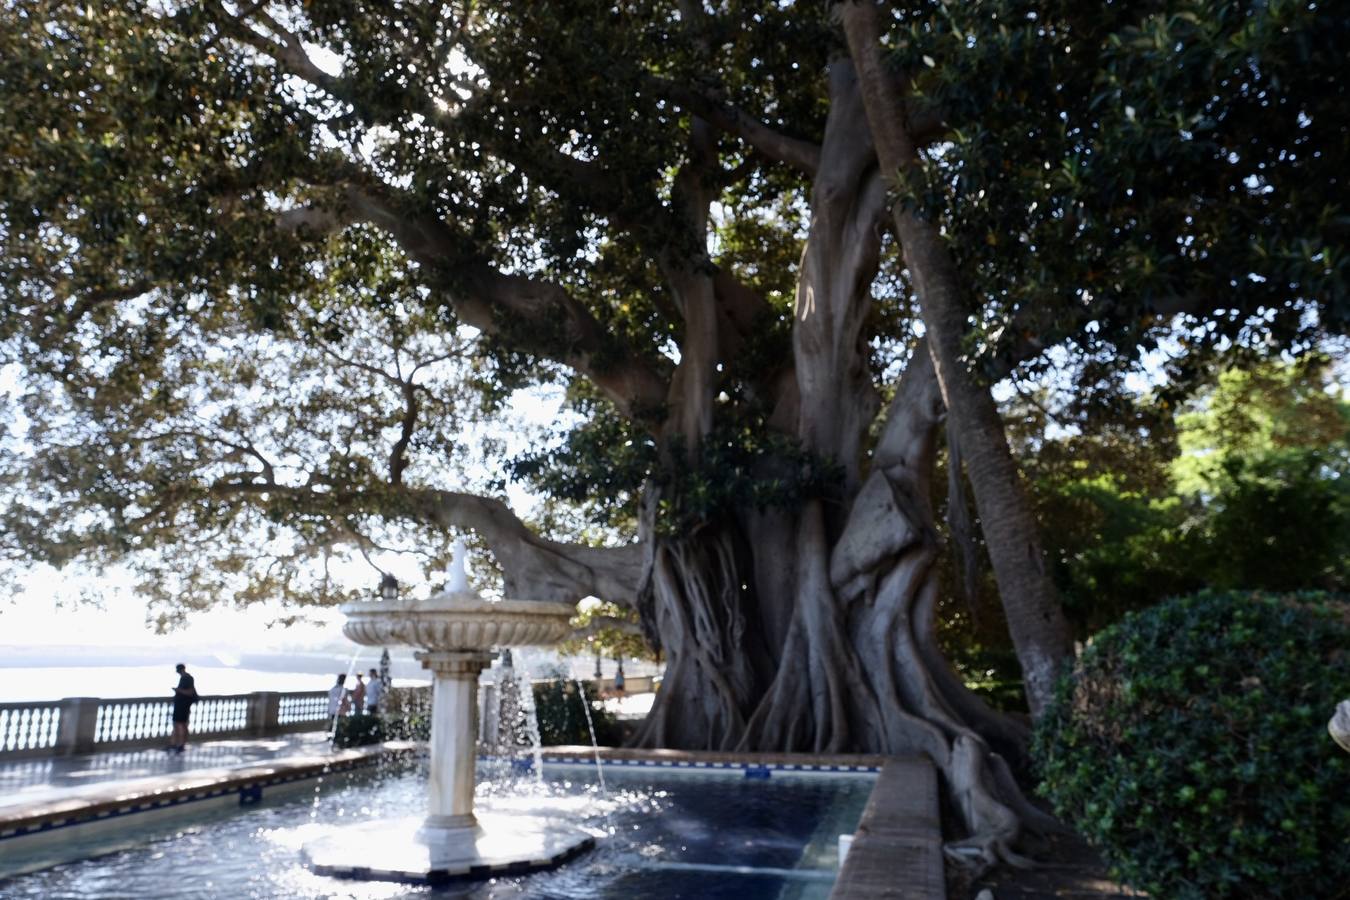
[50, 683]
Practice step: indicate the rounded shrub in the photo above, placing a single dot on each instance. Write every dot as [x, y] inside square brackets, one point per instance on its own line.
[1189, 744]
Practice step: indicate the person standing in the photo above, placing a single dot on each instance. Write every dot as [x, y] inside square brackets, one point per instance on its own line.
[184, 695]
[337, 700]
[374, 692]
[359, 696]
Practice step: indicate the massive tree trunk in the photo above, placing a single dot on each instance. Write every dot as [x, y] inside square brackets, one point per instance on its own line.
[858, 668]
[701, 610]
[865, 671]
[1039, 631]
[812, 629]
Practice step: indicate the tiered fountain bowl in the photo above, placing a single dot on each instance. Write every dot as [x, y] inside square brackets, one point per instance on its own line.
[457, 621]
[457, 632]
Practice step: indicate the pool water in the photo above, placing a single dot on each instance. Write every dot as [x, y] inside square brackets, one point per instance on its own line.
[660, 834]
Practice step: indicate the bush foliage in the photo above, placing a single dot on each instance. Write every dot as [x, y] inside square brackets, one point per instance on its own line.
[1190, 745]
[358, 730]
[559, 707]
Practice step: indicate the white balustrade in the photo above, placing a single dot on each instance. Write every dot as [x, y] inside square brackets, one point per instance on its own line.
[28, 726]
[89, 724]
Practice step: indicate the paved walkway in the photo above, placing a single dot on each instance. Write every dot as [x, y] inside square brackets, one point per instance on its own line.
[29, 781]
[1068, 870]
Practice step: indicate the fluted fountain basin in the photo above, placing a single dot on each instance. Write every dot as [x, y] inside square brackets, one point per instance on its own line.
[457, 621]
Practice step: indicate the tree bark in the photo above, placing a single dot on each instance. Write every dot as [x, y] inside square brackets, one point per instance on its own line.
[812, 629]
[836, 398]
[861, 669]
[700, 610]
[1039, 631]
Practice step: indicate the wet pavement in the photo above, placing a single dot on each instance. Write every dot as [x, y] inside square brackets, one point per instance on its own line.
[29, 781]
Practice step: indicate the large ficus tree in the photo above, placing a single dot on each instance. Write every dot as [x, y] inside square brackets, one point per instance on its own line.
[267, 265]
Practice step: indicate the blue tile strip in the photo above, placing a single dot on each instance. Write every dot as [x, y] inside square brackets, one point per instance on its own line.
[691, 764]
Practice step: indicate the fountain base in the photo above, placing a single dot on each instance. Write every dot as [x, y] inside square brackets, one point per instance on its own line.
[415, 852]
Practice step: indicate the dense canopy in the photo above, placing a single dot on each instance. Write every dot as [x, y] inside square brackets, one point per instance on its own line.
[272, 271]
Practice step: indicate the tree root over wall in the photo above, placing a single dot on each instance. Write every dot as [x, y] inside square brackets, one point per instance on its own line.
[860, 669]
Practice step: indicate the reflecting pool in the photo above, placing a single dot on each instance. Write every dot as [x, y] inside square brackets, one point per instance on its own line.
[690, 833]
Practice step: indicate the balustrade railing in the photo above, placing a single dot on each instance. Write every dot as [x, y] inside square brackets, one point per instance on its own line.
[221, 714]
[88, 724]
[295, 708]
[29, 726]
[131, 720]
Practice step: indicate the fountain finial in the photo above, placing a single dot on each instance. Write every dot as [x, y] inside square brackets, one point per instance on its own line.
[459, 575]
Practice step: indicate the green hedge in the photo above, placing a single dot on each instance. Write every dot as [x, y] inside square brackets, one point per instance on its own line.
[558, 706]
[358, 730]
[1190, 745]
[406, 714]
[562, 718]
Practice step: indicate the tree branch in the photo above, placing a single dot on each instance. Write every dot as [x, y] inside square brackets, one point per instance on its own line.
[289, 54]
[533, 567]
[551, 323]
[313, 220]
[802, 155]
[398, 456]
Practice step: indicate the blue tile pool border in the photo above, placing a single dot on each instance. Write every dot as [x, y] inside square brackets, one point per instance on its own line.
[718, 765]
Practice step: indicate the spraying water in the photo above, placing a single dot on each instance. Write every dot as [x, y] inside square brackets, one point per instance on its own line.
[351, 670]
[332, 739]
[531, 717]
[595, 745]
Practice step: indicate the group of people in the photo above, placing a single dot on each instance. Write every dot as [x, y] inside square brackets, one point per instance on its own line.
[364, 697]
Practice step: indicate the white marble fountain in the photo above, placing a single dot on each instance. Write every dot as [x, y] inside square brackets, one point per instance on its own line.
[457, 632]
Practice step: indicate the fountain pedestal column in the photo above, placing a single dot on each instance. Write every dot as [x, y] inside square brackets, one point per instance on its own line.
[454, 735]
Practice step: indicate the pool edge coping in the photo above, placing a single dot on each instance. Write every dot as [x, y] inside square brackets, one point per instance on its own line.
[897, 849]
[716, 759]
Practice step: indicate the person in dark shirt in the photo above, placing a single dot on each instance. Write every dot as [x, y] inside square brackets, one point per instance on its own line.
[183, 697]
